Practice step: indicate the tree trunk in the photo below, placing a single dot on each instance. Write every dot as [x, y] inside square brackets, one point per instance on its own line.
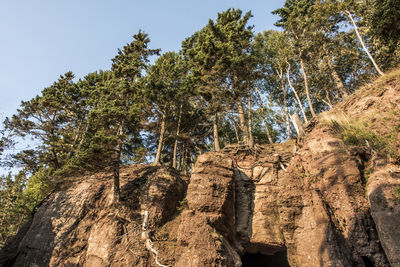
[297, 125]
[116, 190]
[328, 100]
[215, 128]
[55, 159]
[177, 135]
[75, 143]
[303, 70]
[251, 138]
[185, 161]
[336, 78]
[297, 96]
[262, 112]
[285, 105]
[362, 43]
[234, 127]
[161, 139]
[242, 120]
[181, 156]
[116, 162]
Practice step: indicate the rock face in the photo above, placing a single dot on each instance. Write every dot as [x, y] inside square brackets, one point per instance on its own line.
[79, 226]
[318, 202]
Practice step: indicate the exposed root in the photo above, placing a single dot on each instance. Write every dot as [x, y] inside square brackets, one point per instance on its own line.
[146, 238]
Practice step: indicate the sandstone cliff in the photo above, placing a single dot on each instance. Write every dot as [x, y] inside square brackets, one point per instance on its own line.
[320, 201]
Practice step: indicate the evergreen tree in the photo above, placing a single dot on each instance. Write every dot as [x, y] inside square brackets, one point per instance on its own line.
[117, 104]
[201, 53]
[165, 91]
[49, 119]
[236, 63]
[221, 62]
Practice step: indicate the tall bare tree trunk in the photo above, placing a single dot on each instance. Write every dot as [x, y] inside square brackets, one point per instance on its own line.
[262, 112]
[287, 120]
[55, 159]
[177, 135]
[161, 139]
[251, 138]
[362, 43]
[303, 70]
[215, 130]
[242, 120]
[234, 127]
[295, 93]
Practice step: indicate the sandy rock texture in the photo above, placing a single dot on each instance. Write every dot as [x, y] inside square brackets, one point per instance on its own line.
[79, 226]
[318, 201]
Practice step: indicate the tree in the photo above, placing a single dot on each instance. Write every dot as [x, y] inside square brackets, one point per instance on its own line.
[292, 21]
[237, 64]
[384, 28]
[116, 105]
[166, 89]
[50, 119]
[274, 48]
[221, 62]
[201, 53]
[348, 13]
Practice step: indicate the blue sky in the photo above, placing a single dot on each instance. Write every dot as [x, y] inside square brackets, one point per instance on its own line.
[42, 39]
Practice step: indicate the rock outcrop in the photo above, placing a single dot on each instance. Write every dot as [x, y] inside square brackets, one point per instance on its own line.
[318, 202]
[79, 225]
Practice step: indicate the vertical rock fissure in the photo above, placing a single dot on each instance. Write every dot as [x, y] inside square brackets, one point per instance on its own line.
[244, 198]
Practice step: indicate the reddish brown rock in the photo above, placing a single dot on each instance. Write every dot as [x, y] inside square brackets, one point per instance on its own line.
[319, 202]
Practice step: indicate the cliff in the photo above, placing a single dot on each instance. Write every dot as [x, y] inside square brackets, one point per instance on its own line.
[331, 198]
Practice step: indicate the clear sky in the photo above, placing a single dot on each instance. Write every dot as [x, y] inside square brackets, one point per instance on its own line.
[41, 39]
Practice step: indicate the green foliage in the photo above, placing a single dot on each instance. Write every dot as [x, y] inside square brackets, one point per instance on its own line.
[222, 63]
[39, 186]
[133, 58]
[50, 119]
[383, 24]
[360, 134]
[13, 211]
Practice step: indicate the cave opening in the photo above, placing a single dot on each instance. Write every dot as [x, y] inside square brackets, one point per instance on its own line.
[279, 259]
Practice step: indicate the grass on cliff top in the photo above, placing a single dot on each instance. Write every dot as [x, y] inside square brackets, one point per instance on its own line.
[359, 133]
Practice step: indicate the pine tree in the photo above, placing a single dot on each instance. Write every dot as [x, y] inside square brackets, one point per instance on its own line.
[165, 90]
[117, 102]
[221, 63]
[49, 119]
